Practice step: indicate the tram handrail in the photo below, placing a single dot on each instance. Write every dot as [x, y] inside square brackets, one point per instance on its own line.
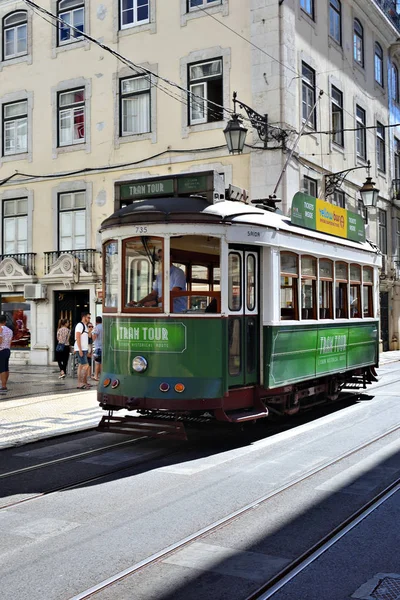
[187, 293]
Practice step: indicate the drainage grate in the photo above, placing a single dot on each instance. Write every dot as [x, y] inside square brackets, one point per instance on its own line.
[383, 586]
[387, 589]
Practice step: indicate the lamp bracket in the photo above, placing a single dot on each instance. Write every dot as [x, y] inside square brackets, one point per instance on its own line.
[335, 180]
[265, 131]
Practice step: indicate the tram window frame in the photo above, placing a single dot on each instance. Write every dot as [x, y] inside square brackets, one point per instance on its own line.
[309, 313]
[355, 292]
[112, 308]
[251, 285]
[232, 307]
[367, 293]
[125, 303]
[292, 312]
[325, 291]
[341, 291]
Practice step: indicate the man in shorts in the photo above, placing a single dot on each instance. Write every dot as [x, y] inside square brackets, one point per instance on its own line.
[6, 335]
[81, 348]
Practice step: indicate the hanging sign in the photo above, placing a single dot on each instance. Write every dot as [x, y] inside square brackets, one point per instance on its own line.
[317, 214]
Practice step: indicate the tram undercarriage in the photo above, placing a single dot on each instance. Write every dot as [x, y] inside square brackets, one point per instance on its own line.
[238, 406]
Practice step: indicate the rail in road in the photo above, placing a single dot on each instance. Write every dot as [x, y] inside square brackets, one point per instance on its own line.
[291, 569]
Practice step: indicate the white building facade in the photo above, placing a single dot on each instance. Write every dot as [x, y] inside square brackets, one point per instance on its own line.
[152, 99]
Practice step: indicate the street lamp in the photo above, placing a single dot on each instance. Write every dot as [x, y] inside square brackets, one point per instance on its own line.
[235, 135]
[369, 193]
[235, 132]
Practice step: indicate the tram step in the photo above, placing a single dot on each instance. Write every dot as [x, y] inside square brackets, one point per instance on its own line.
[241, 417]
[148, 427]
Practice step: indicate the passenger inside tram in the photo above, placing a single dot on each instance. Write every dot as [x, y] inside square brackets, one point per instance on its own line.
[194, 274]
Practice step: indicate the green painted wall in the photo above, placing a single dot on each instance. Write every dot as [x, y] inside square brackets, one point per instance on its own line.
[302, 352]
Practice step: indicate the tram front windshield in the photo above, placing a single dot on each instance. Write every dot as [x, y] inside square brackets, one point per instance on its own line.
[194, 274]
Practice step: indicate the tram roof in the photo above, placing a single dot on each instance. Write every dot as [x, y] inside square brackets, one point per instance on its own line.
[195, 209]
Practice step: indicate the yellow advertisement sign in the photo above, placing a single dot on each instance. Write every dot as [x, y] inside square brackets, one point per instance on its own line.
[330, 219]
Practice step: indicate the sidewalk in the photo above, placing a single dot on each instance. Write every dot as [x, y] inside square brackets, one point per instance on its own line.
[39, 405]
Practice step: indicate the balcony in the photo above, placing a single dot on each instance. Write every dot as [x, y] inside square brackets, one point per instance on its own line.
[391, 8]
[17, 269]
[71, 266]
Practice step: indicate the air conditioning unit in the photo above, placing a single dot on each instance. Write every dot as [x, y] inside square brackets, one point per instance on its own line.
[35, 291]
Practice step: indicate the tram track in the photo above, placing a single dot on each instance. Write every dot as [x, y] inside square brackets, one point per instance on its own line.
[294, 568]
[165, 553]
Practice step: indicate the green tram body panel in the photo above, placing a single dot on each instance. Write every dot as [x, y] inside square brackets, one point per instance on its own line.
[297, 353]
[188, 351]
[195, 352]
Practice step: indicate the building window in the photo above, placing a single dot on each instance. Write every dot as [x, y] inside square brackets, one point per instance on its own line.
[206, 92]
[15, 128]
[308, 95]
[378, 64]
[358, 42]
[72, 15]
[15, 35]
[380, 147]
[71, 117]
[397, 162]
[361, 141]
[382, 230]
[72, 221]
[135, 105]
[395, 83]
[339, 198]
[193, 4]
[134, 12]
[308, 7]
[310, 186]
[335, 20]
[15, 226]
[337, 116]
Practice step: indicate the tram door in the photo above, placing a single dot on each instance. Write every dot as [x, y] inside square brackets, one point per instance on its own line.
[243, 320]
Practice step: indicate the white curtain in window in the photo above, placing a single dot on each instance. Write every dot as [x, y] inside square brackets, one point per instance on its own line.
[198, 103]
[136, 114]
[15, 235]
[73, 230]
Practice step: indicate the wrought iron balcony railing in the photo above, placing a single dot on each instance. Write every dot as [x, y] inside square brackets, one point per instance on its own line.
[25, 259]
[392, 9]
[86, 258]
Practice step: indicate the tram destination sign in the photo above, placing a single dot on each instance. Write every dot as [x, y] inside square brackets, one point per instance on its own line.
[317, 214]
[148, 336]
[170, 186]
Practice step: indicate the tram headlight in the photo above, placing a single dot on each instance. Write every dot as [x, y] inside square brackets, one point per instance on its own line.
[139, 364]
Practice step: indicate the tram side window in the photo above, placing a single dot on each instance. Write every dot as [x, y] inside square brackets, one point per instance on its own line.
[341, 283]
[251, 282]
[368, 281]
[143, 273]
[355, 291]
[110, 269]
[289, 279]
[235, 281]
[308, 287]
[325, 289]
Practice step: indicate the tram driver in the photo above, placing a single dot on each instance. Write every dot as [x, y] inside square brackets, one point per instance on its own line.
[177, 283]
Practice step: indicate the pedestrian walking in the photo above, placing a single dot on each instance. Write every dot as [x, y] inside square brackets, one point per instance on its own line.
[62, 348]
[98, 347]
[6, 335]
[81, 348]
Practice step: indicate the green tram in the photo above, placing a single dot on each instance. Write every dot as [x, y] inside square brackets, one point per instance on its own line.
[271, 317]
